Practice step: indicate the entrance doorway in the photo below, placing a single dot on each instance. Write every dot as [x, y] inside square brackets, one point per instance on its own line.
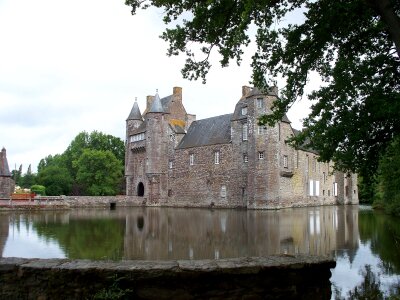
[140, 189]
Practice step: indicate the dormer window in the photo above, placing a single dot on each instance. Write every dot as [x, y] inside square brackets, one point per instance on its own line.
[244, 111]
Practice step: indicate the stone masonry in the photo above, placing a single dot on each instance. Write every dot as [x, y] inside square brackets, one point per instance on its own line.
[225, 161]
[6, 181]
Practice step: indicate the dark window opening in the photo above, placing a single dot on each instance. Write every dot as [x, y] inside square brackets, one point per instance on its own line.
[140, 189]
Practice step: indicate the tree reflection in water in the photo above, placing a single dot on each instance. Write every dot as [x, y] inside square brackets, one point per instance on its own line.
[370, 288]
[353, 235]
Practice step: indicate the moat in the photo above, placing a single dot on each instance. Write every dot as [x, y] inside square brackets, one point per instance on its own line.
[360, 239]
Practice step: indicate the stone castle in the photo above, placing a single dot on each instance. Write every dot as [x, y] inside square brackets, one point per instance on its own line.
[173, 159]
[6, 181]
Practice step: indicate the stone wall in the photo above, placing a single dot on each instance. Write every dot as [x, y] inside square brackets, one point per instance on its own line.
[273, 277]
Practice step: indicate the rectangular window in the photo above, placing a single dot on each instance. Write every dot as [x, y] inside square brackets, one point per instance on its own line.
[170, 164]
[311, 188]
[245, 158]
[324, 177]
[137, 137]
[316, 191]
[285, 161]
[216, 157]
[260, 129]
[261, 155]
[244, 111]
[335, 191]
[244, 132]
[223, 191]
[259, 102]
[191, 159]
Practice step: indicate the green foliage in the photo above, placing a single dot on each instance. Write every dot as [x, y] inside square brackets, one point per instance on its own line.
[99, 172]
[38, 189]
[389, 178]
[353, 45]
[382, 232]
[86, 238]
[95, 141]
[113, 292]
[57, 180]
[59, 173]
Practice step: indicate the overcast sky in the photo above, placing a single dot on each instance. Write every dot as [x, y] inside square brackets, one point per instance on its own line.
[77, 65]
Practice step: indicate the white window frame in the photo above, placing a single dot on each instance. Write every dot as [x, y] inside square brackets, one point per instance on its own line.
[285, 161]
[244, 111]
[245, 158]
[335, 189]
[244, 132]
[137, 137]
[217, 155]
[261, 155]
[311, 188]
[223, 191]
[191, 159]
[260, 102]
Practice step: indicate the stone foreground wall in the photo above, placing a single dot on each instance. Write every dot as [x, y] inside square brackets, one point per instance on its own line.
[273, 277]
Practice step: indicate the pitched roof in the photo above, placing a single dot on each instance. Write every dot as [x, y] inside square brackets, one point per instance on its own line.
[211, 131]
[4, 170]
[135, 112]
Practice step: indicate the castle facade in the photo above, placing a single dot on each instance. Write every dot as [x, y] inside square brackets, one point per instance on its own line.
[173, 159]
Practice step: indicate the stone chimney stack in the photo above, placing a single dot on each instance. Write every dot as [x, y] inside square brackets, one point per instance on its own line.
[149, 102]
[245, 90]
[177, 94]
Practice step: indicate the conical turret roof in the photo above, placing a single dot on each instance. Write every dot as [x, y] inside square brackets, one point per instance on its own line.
[4, 170]
[156, 106]
[135, 112]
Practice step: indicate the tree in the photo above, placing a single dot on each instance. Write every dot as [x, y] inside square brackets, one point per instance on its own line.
[389, 177]
[56, 179]
[353, 45]
[95, 141]
[99, 172]
[54, 175]
[29, 179]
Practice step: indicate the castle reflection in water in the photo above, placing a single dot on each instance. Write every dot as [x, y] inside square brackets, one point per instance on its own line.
[164, 233]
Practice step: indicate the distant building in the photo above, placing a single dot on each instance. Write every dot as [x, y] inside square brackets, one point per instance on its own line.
[226, 161]
[6, 182]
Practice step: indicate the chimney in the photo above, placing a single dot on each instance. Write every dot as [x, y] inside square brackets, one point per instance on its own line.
[177, 92]
[245, 90]
[149, 102]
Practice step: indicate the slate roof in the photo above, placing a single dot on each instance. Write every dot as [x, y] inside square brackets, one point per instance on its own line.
[156, 106]
[135, 112]
[4, 169]
[211, 131]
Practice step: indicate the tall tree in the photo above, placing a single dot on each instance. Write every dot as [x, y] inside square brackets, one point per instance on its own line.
[99, 172]
[353, 45]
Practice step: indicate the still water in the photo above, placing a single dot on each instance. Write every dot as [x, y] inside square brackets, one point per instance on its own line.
[365, 244]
